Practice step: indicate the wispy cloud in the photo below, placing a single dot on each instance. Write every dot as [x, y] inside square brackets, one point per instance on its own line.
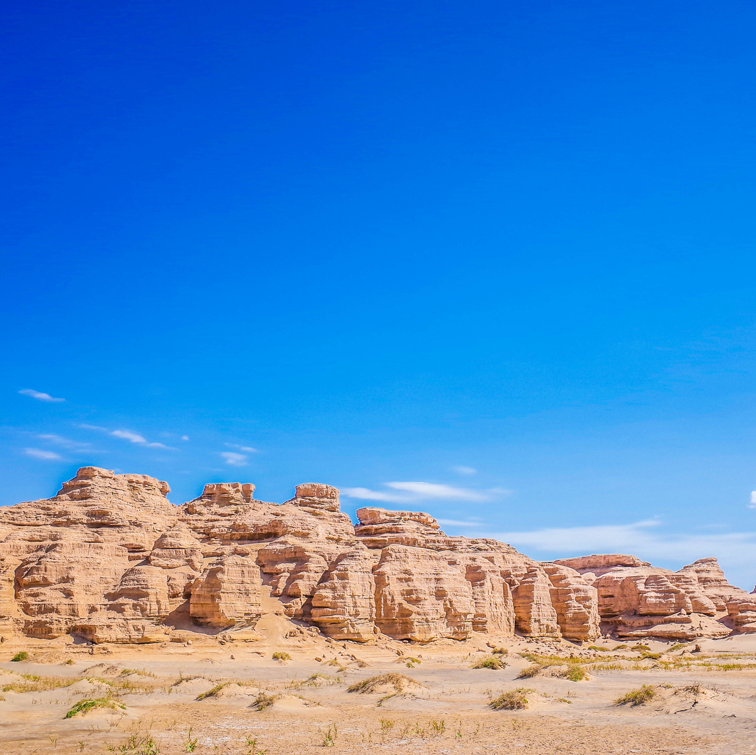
[465, 470]
[38, 453]
[410, 492]
[40, 396]
[246, 449]
[184, 437]
[642, 539]
[458, 523]
[234, 459]
[753, 500]
[59, 440]
[128, 435]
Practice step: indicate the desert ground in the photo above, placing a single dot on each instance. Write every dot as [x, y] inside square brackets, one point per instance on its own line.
[285, 689]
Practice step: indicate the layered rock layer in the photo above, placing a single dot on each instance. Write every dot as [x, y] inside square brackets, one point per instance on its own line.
[109, 558]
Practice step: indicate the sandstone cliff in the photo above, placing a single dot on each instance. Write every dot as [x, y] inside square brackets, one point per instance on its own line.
[110, 559]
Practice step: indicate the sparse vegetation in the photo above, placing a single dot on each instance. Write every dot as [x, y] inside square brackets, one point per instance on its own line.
[398, 681]
[84, 706]
[191, 743]
[280, 655]
[500, 651]
[575, 673]
[598, 649]
[530, 671]
[637, 697]
[33, 683]
[251, 745]
[513, 700]
[491, 662]
[137, 744]
[21, 656]
[329, 736]
[212, 692]
[263, 701]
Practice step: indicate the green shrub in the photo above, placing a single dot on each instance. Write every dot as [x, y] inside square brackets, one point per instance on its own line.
[514, 700]
[84, 706]
[281, 656]
[637, 697]
[22, 656]
[598, 649]
[500, 651]
[575, 674]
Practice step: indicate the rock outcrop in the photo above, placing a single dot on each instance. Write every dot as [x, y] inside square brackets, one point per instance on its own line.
[637, 600]
[110, 559]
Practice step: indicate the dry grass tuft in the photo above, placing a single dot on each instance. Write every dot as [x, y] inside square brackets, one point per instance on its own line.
[637, 697]
[530, 671]
[513, 700]
[212, 692]
[491, 662]
[399, 682]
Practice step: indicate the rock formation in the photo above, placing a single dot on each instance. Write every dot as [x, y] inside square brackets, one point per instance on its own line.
[638, 600]
[110, 559]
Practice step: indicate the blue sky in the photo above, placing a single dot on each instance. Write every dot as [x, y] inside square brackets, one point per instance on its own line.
[490, 260]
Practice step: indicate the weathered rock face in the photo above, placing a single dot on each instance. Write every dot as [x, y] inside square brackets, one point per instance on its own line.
[111, 559]
[227, 593]
[575, 602]
[638, 600]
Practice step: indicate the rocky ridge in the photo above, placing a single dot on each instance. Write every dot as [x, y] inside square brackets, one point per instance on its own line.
[110, 559]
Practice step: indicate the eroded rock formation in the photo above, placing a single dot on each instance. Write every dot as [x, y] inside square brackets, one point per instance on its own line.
[110, 559]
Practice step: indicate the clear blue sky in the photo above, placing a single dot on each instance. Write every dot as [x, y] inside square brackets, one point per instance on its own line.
[503, 249]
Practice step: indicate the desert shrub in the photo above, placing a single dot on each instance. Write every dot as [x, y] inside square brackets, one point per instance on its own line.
[263, 701]
[598, 649]
[22, 656]
[620, 647]
[530, 671]
[637, 697]
[500, 651]
[399, 681]
[574, 674]
[281, 656]
[84, 706]
[513, 700]
[492, 662]
[212, 692]
[642, 648]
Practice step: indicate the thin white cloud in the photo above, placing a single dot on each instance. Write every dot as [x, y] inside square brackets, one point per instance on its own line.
[184, 437]
[135, 438]
[234, 459]
[128, 435]
[753, 500]
[458, 523]
[465, 470]
[246, 449]
[646, 540]
[38, 453]
[411, 492]
[59, 440]
[40, 396]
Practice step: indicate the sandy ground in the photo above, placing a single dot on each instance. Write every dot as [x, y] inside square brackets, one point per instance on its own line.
[704, 699]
